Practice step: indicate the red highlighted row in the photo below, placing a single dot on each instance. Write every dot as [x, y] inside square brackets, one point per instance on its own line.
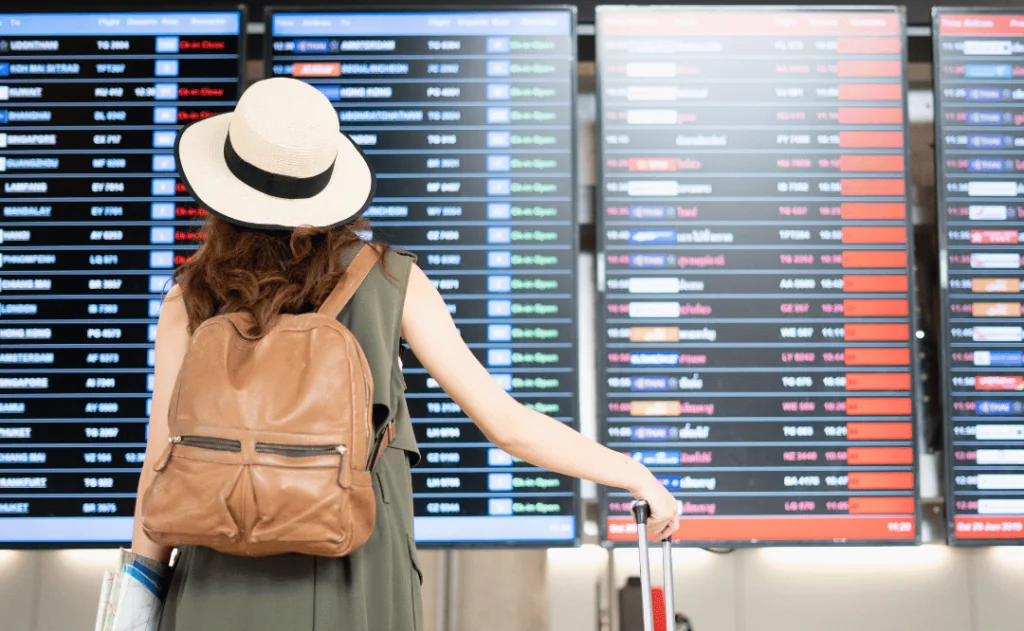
[876, 308]
[862, 163]
[872, 186]
[881, 481]
[874, 258]
[885, 430]
[874, 234]
[870, 92]
[875, 333]
[881, 506]
[875, 283]
[860, 381]
[871, 456]
[873, 210]
[878, 406]
[810, 528]
[878, 68]
[877, 356]
[868, 45]
[870, 116]
[870, 139]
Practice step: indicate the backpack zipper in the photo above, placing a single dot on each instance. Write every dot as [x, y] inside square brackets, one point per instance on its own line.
[299, 451]
[305, 451]
[369, 424]
[202, 442]
[208, 442]
[280, 449]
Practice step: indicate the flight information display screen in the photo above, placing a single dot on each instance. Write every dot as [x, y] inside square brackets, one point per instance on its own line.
[468, 119]
[979, 111]
[94, 221]
[756, 305]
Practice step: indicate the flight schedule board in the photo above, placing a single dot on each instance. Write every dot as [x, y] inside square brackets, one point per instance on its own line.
[756, 306]
[468, 119]
[94, 221]
[979, 113]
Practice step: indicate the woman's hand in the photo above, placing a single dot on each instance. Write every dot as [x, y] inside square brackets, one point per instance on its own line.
[664, 519]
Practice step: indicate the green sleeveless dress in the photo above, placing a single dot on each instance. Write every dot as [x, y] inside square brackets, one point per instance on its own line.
[377, 588]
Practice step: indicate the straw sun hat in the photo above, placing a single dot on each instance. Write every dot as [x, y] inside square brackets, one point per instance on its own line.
[277, 162]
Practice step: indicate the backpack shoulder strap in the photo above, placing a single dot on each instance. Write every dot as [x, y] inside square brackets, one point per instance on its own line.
[350, 281]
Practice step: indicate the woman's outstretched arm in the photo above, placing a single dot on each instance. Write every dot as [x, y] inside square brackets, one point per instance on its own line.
[519, 431]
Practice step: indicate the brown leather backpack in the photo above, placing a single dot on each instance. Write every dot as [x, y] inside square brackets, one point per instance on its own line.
[272, 441]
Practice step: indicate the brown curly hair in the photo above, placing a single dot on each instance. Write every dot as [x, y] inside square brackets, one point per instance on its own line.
[262, 273]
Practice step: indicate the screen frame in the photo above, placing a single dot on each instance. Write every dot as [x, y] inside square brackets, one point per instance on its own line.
[945, 364]
[913, 319]
[242, 10]
[268, 36]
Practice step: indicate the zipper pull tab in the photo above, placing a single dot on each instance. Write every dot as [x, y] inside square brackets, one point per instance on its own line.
[344, 481]
[172, 441]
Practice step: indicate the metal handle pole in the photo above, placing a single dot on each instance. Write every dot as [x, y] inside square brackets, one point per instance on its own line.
[670, 605]
[453, 604]
[641, 511]
[441, 585]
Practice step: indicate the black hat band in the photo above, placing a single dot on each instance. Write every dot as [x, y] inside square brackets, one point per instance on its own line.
[275, 184]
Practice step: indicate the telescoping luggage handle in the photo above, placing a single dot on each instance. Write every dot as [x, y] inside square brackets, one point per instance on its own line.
[642, 511]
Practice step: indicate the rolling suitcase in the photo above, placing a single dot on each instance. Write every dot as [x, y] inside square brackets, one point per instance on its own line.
[641, 511]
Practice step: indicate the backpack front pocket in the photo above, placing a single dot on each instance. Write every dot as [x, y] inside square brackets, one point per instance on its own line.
[296, 500]
[195, 492]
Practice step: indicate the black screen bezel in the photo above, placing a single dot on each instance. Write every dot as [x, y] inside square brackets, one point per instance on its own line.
[944, 323]
[113, 9]
[268, 36]
[602, 420]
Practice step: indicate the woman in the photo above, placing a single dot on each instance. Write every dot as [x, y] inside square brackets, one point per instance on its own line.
[285, 190]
